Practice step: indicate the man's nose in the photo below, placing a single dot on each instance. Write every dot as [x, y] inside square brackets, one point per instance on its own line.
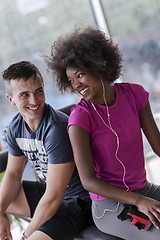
[33, 99]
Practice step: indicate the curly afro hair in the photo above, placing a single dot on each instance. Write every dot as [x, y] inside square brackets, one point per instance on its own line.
[87, 50]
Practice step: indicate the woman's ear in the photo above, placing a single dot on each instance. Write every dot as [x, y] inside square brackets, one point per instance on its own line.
[10, 99]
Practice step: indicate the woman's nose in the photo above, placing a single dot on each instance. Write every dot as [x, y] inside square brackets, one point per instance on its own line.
[77, 84]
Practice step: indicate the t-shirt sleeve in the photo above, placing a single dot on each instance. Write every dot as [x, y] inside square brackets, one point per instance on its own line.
[141, 96]
[58, 145]
[12, 145]
[80, 116]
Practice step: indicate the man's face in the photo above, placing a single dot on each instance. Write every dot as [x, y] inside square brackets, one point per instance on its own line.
[29, 98]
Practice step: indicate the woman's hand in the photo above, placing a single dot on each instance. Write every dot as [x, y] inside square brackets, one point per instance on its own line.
[151, 208]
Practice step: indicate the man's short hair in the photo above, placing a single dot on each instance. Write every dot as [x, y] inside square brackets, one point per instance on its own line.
[22, 69]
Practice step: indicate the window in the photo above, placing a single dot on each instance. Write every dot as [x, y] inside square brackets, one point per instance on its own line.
[28, 29]
[135, 27]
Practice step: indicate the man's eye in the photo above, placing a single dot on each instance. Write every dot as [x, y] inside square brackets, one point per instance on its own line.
[24, 95]
[40, 91]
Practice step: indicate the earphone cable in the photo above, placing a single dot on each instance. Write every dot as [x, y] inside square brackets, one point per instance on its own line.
[116, 152]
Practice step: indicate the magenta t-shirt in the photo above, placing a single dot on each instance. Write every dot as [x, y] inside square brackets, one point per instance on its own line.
[124, 117]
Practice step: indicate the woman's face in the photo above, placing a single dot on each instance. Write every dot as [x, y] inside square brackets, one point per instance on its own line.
[88, 86]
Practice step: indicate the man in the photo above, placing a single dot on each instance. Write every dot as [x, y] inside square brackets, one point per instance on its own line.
[38, 134]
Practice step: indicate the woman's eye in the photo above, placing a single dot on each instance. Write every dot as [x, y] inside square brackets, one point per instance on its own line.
[80, 75]
[71, 80]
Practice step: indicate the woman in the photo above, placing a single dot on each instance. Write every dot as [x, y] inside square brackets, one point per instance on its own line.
[105, 131]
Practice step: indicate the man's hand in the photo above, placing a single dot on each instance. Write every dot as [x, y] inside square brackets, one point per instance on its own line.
[5, 228]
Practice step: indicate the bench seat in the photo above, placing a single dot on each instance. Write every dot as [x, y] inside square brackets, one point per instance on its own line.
[90, 233]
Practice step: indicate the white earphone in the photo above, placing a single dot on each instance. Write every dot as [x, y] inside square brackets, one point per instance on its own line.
[116, 152]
